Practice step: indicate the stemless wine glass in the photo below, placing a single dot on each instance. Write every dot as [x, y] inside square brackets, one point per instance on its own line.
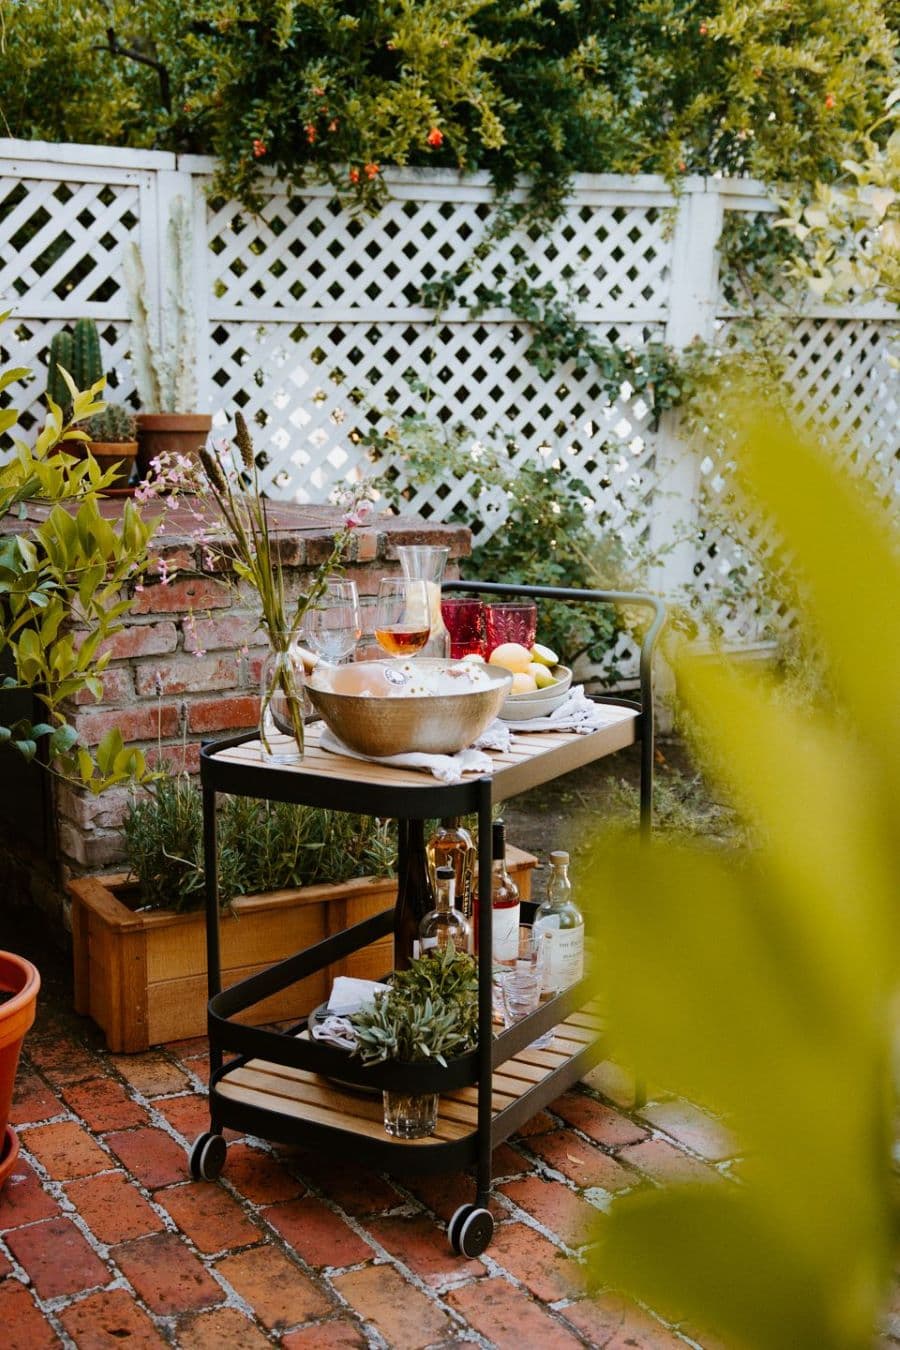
[333, 625]
[402, 621]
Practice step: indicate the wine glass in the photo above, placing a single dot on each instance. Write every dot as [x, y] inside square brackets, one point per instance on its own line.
[402, 622]
[333, 626]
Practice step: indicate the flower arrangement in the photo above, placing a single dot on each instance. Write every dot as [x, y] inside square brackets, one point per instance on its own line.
[233, 482]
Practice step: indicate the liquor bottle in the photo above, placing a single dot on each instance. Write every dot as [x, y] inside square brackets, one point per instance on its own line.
[560, 918]
[444, 924]
[414, 894]
[504, 900]
[452, 846]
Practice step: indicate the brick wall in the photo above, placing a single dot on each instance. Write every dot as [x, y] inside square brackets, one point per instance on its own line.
[186, 667]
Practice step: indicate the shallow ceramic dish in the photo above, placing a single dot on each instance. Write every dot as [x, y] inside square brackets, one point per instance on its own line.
[448, 716]
[541, 703]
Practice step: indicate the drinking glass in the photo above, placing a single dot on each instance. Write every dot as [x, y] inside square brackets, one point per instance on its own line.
[464, 620]
[401, 615]
[511, 621]
[521, 981]
[368, 648]
[333, 626]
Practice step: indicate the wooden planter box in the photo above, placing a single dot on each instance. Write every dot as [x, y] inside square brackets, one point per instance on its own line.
[142, 975]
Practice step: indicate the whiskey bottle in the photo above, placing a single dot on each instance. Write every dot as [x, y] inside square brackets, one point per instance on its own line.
[505, 906]
[560, 919]
[444, 924]
[414, 894]
[451, 846]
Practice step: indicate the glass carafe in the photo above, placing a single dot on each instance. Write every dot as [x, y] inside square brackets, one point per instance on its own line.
[427, 562]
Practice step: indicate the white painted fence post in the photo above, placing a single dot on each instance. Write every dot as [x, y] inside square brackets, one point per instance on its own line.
[693, 298]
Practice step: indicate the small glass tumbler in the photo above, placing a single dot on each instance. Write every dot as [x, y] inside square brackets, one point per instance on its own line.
[521, 982]
[510, 621]
[464, 621]
[410, 1115]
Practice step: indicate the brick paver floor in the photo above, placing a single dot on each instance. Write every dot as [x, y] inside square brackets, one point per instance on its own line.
[104, 1240]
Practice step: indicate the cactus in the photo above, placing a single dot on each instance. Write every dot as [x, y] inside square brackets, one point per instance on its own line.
[164, 373]
[78, 353]
[88, 363]
[115, 424]
[62, 354]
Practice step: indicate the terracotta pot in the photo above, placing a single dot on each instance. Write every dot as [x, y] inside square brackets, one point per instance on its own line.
[20, 980]
[179, 433]
[108, 453]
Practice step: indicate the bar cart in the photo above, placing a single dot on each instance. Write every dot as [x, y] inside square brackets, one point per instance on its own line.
[282, 1085]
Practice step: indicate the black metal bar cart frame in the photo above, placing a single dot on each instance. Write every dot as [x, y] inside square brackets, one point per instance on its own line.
[284, 1086]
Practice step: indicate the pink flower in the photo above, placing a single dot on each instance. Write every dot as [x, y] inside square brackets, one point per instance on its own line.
[360, 514]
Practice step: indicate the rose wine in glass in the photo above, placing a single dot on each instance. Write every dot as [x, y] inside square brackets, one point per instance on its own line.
[402, 622]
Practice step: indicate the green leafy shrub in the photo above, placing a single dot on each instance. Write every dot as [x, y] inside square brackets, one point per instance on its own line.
[546, 538]
[292, 846]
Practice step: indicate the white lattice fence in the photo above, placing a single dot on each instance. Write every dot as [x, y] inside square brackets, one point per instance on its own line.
[311, 321]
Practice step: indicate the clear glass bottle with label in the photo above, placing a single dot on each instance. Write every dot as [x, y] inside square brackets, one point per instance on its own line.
[451, 846]
[444, 924]
[560, 918]
[505, 907]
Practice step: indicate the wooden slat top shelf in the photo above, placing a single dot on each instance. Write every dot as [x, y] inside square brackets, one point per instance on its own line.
[532, 758]
[304, 1096]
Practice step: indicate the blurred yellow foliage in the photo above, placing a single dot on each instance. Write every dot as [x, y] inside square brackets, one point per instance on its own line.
[764, 985]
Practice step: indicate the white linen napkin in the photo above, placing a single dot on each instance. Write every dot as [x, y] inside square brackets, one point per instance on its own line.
[337, 1031]
[349, 995]
[447, 768]
[578, 713]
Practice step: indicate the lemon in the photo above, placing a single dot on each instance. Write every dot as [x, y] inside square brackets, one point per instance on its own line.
[523, 683]
[512, 656]
[473, 656]
[544, 656]
[541, 675]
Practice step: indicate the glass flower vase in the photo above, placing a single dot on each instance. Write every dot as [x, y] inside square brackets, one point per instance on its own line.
[281, 705]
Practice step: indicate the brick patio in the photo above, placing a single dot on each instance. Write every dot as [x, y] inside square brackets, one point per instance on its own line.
[104, 1239]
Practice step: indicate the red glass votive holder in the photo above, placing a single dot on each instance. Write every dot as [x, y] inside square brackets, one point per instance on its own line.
[510, 621]
[464, 621]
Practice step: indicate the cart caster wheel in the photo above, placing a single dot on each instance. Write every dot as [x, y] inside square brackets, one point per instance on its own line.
[475, 1232]
[207, 1157]
[456, 1223]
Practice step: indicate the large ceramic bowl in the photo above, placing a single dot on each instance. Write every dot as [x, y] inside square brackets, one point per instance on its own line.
[540, 702]
[436, 711]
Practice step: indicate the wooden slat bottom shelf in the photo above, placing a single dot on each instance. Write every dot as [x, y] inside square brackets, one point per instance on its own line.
[301, 1096]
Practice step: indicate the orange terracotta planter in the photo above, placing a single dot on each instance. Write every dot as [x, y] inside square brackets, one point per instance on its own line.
[19, 980]
[178, 433]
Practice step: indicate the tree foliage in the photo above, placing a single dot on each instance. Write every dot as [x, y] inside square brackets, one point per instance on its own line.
[341, 88]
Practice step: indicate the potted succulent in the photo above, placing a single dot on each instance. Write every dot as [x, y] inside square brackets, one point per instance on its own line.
[19, 985]
[113, 441]
[165, 374]
[429, 1014]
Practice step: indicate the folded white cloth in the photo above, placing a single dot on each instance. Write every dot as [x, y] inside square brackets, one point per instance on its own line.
[447, 768]
[349, 995]
[578, 713]
[337, 1031]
